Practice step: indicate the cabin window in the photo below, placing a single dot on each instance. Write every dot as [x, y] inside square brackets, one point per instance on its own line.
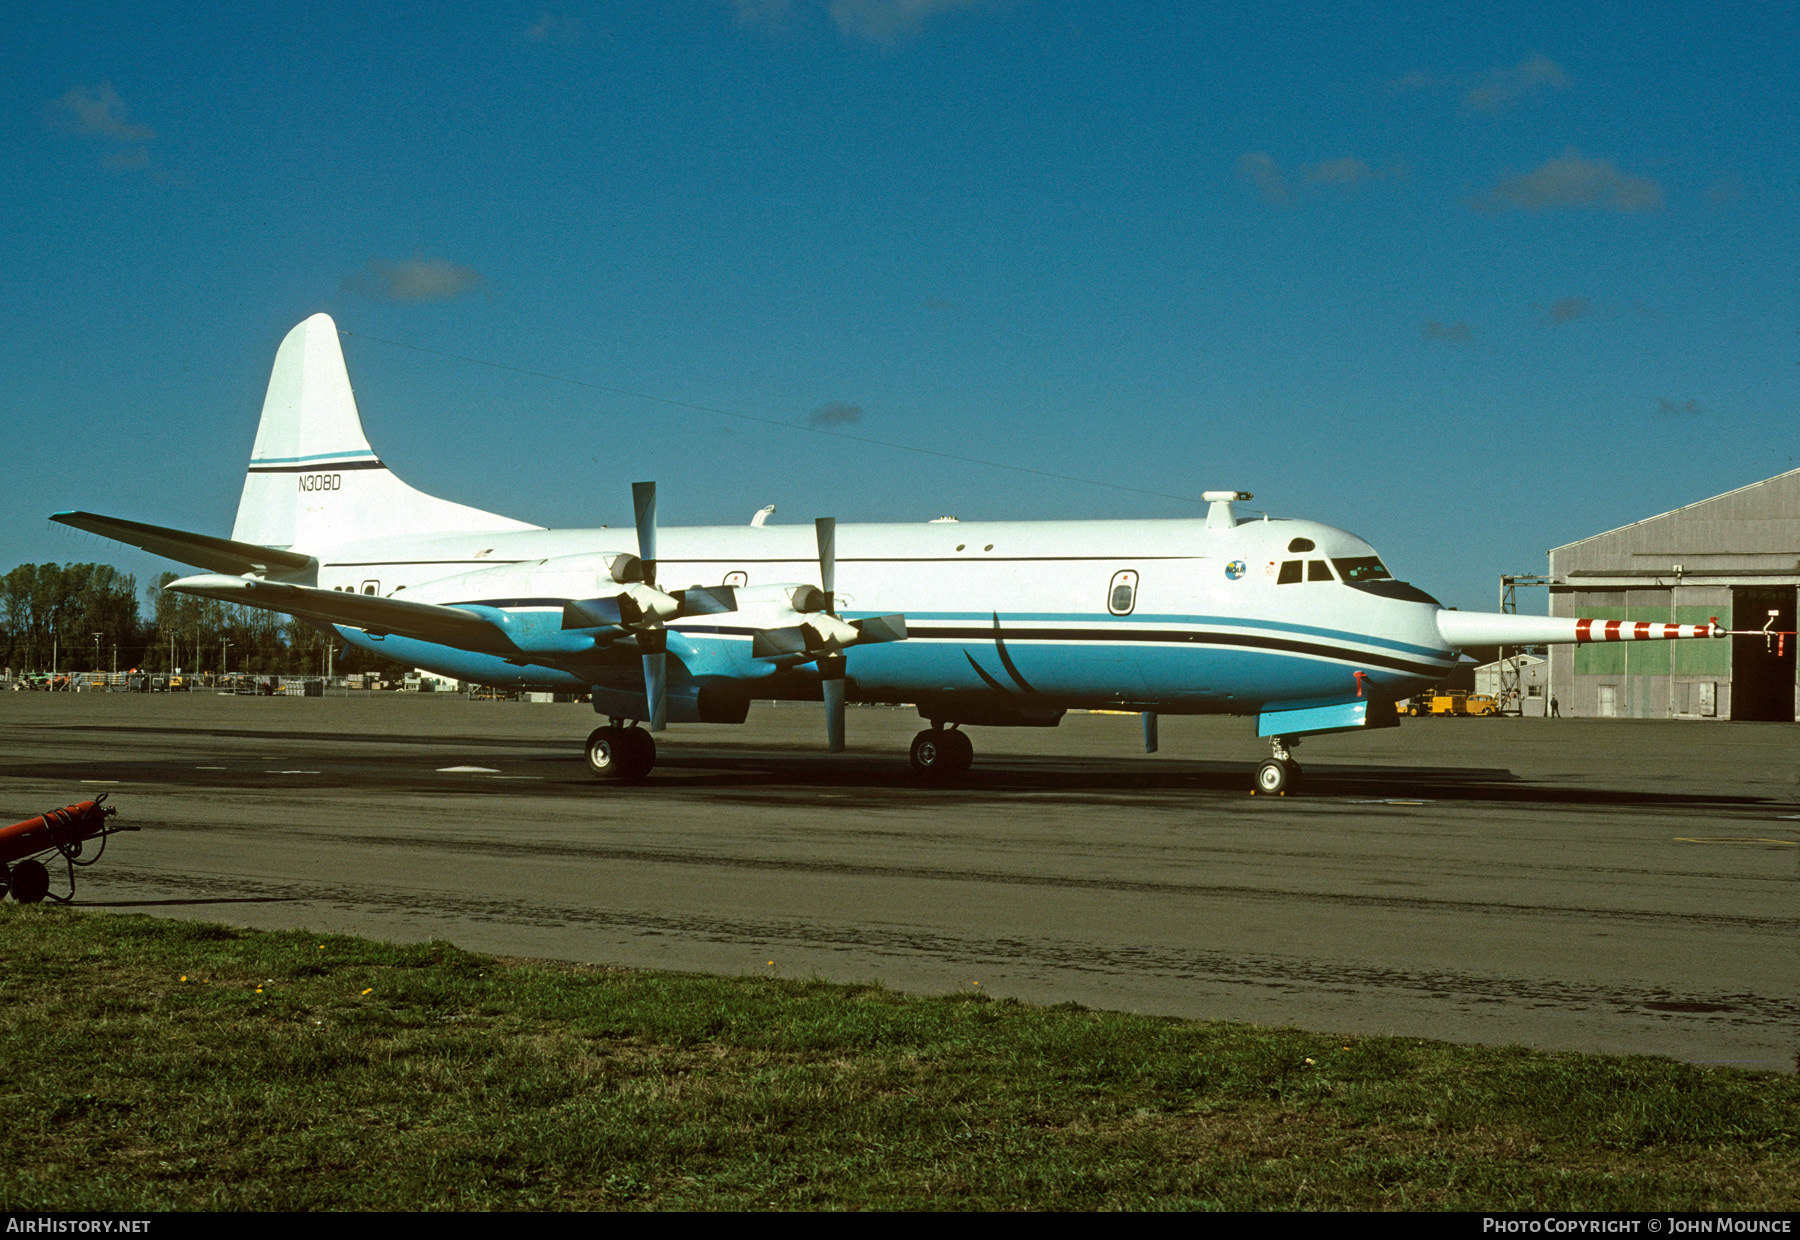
[1121, 596]
[1290, 573]
[1318, 570]
[1301, 544]
[371, 587]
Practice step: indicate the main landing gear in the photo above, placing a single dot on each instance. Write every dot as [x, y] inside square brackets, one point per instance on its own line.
[620, 752]
[1280, 775]
[940, 754]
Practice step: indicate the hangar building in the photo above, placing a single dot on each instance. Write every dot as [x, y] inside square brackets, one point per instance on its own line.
[1735, 556]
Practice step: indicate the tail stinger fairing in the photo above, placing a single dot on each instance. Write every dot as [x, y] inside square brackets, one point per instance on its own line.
[984, 624]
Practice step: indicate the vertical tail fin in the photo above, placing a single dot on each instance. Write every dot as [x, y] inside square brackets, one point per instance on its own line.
[313, 480]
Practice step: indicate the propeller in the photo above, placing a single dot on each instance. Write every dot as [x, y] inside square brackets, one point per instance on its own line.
[643, 609]
[653, 641]
[832, 667]
[823, 636]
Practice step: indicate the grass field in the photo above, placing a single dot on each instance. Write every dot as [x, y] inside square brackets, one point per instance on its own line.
[175, 1065]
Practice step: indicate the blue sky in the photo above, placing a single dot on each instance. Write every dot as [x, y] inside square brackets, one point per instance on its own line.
[1472, 281]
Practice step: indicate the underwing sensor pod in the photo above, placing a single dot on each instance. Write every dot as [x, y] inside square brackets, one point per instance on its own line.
[1008, 623]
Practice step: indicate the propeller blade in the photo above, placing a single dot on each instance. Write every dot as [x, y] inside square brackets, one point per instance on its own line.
[773, 643]
[832, 670]
[656, 678]
[643, 499]
[827, 530]
[881, 628]
[594, 613]
[706, 600]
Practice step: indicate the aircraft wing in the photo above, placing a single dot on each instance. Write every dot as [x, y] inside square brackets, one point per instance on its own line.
[449, 626]
[221, 555]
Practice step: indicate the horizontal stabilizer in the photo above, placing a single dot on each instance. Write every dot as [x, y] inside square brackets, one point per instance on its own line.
[450, 626]
[221, 555]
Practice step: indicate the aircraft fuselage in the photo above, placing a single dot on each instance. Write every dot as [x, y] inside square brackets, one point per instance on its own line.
[1173, 616]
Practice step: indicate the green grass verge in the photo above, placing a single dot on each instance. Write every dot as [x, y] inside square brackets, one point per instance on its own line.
[178, 1065]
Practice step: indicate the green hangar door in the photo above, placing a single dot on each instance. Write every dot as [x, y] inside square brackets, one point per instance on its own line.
[1762, 668]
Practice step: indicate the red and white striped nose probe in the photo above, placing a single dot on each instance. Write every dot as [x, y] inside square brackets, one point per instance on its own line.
[1641, 630]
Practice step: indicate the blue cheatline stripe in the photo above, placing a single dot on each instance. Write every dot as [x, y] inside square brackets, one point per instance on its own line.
[1124, 625]
[1076, 639]
[347, 454]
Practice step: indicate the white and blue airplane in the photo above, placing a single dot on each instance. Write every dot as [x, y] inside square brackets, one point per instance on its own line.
[997, 624]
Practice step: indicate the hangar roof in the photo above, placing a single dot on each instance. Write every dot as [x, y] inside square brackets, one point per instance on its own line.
[1755, 525]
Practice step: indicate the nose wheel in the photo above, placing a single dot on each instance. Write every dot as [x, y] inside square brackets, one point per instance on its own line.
[941, 754]
[622, 753]
[1280, 774]
[1276, 778]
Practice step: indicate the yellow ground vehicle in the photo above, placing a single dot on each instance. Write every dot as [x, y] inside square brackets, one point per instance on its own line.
[1451, 702]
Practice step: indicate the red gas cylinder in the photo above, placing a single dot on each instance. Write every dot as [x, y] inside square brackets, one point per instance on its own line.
[57, 828]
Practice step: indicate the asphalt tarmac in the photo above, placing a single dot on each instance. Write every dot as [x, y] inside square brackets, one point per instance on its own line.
[1618, 886]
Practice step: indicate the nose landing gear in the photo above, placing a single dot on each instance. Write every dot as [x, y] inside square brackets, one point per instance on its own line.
[1280, 774]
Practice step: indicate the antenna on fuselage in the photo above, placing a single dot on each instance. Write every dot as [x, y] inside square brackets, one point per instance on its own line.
[1219, 515]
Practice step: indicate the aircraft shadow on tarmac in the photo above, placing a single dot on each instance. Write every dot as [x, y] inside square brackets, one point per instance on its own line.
[537, 769]
[80, 903]
[1015, 773]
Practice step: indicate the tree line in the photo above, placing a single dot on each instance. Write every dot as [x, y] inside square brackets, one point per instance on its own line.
[86, 617]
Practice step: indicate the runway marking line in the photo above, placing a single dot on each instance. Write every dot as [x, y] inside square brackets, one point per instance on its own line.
[1381, 801]
[468, 770]
[99, 781]
[1733, 839]
[290, 772]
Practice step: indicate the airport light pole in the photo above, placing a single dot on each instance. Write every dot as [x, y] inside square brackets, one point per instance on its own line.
[96, 652]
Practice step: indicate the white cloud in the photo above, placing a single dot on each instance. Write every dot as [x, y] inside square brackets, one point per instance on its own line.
[415, 279]
[1501, 88]
[1450, 333]
[837, 413]
[1261, 170]
[1346, 171]
[1573, 180]
[770, 14]
[1418, 79]
[888, 21]
[1564, 309]
[98, 113]
[549, 28]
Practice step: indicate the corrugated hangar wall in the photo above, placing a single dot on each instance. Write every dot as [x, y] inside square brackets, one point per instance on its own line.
[1735, 556]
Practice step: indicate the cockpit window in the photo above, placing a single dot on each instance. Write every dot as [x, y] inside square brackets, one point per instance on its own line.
[1301, 544]
[1318, 570]
[1362, 568]
[1290, 573]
